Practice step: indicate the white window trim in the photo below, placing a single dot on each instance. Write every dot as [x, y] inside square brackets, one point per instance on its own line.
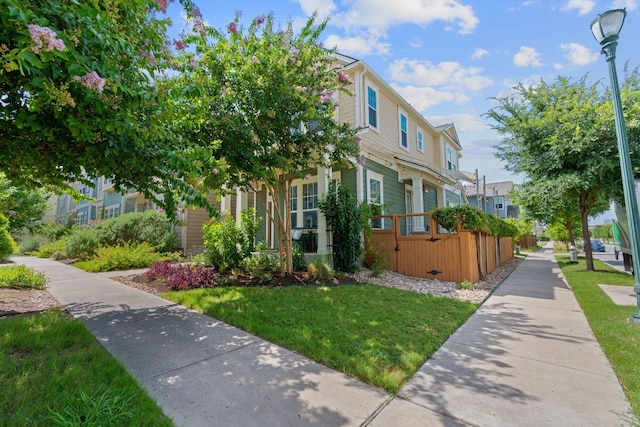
[108, 210]
[366, 103]
[419, 132]
[377, 177]
[401, 113]
[454, 155]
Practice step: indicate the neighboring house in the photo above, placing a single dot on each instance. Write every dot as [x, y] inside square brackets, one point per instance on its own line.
[407, 165]
[496, 201]
[106, 203]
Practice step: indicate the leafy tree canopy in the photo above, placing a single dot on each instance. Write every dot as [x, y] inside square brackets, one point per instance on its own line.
[77, 94]
[561, 135]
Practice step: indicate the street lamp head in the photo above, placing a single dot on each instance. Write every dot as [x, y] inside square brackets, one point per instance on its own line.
[607, 26]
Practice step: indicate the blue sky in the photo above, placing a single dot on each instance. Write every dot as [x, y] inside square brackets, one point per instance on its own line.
[448, 58]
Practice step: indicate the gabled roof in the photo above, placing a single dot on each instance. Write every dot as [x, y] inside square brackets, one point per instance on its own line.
[501, 188]
[450, 130]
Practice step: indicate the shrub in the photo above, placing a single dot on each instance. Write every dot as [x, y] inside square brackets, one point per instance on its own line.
[320, 270]
[49, 249]
[21, 277]
[82, 244]
[123, 257]
[347, 222]
[7, 244]
[299, 261]
[466, 285]
[149, 226]
[182, 276]
[33, 243]
[226, 243]
[54, 231]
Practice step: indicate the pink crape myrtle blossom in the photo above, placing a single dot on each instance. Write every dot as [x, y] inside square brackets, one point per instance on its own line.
[44, 38]
[179, 44]
[163, 5]
[92, 81]
[216, 171]
[362, 160]
[358, 138]
[343, 79]
[233, 27]
[325, 96]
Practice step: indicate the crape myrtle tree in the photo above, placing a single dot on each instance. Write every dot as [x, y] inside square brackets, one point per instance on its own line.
[561, 136]
[260, 110]
[78, 99]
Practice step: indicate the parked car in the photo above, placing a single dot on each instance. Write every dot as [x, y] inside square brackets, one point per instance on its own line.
[597, 245]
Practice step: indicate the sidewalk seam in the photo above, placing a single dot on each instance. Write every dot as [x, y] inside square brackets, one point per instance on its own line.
[241, 347]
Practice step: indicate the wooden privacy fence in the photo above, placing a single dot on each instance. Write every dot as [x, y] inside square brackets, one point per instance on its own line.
[414, 245]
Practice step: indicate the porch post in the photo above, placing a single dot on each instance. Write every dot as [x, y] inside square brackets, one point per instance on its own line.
[324, 177]
[418, 203]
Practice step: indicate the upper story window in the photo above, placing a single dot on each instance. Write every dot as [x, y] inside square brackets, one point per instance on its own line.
[372, 107]
[404, 134]
[452, 160]
[420, 140]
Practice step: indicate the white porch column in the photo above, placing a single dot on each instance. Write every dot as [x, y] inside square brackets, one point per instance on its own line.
[418, 203]
[324, 178]
[242, 203]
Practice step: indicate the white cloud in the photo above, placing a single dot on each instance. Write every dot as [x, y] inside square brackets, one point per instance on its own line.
[527, 57]
[621, 4]
[558, 66]
[324, 8]
[424, 97]
[479, 53]
[415, 42]
[446, 74]
[358, 45]
[578, 54]
[382, 14]
[582, 6]
[463, 122]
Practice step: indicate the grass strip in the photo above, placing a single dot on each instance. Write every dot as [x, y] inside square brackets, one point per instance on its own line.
[379, 335]
[54, 370]
[619, 338]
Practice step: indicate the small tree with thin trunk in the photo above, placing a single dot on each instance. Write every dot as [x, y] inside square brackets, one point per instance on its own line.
[260, 110]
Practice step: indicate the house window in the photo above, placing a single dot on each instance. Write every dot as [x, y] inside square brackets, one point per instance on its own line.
[500, 204]
[84, 189]
[310, 205]
[375, 197]
[420, 140]
[294, 206]
[452, 163]
[82, 218]
[372, 107]
[111, 211]
[404, 136]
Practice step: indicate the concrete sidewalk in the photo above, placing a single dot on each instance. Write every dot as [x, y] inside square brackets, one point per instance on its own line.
[527, 357]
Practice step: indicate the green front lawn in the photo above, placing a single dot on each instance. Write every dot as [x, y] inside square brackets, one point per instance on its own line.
[377, 334]
[51, 364]
[619, 338]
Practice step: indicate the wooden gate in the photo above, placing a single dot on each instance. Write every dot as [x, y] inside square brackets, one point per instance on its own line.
[414, 245]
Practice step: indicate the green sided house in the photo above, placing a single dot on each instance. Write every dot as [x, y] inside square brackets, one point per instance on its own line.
[406, 165]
